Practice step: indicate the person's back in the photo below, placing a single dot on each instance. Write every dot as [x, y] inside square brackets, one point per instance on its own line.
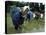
[16, 17]
[13, 10]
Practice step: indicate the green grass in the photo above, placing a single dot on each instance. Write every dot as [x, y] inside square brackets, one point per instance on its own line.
[33, 26]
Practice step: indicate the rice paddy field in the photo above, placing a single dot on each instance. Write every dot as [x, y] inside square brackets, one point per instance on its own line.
[27, 27]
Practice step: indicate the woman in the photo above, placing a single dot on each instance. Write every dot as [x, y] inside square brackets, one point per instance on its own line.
[17, 17]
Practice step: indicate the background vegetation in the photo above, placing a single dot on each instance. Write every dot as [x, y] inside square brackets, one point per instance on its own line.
[32, 26]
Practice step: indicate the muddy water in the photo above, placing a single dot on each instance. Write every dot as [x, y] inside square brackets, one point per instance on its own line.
[33, 27]
[38, 30]
[33, 30]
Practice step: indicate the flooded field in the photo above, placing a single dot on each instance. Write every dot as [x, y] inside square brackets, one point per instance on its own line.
[27, 27]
